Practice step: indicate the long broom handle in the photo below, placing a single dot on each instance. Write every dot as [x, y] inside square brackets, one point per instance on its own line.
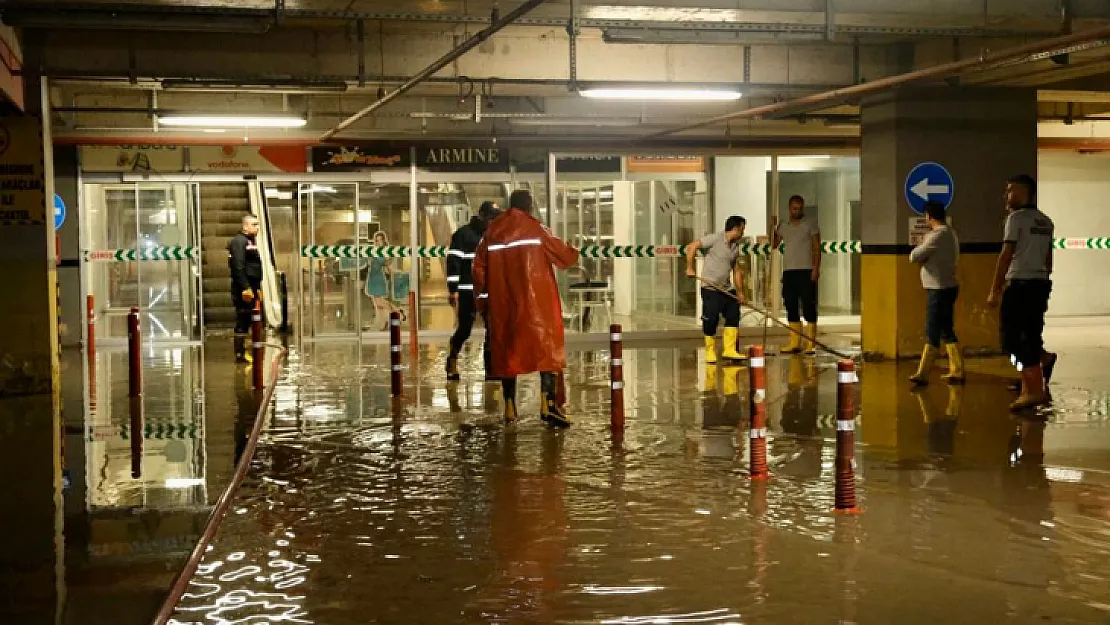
[716, 287]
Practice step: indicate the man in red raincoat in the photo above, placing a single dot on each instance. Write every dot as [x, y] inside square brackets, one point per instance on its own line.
[516, 289]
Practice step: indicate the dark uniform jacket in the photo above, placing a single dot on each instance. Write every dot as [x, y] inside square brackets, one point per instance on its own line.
[245, 264]
[460, 256]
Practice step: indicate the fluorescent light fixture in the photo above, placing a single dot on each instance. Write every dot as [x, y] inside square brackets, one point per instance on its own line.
[623, 122]
[275, 194]
[233, 121]
[673, 94]
[317, 188]
[184, 482]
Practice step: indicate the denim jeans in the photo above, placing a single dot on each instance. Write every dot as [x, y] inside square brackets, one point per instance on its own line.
[939, 315]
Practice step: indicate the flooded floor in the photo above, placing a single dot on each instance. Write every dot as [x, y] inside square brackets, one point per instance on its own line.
[432, 510]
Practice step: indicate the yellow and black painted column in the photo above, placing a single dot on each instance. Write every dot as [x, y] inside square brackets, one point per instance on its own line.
[981, 137]
[32, 575]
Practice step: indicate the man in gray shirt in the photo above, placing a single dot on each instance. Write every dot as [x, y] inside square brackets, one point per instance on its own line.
[801, 268]
[1025, 267]
[938, 255]
[718, 298]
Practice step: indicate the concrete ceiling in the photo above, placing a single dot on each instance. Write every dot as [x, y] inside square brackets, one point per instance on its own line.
[329, 58]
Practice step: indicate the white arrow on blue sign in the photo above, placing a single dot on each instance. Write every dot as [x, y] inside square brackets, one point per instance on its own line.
[929, 181]
[59, 211]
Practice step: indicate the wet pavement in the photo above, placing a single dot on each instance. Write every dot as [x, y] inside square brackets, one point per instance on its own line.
[432, 510]
[127, 537]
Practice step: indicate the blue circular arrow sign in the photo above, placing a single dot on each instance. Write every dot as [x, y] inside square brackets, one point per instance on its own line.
[59, 211]
[929, 181]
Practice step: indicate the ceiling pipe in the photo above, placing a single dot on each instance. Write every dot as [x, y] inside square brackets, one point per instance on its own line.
[496, 25]
[1020, 54]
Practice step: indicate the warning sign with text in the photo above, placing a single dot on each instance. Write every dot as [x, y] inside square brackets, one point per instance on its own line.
[22, 193]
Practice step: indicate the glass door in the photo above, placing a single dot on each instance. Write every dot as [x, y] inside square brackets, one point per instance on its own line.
[141, 251]
[334, 282]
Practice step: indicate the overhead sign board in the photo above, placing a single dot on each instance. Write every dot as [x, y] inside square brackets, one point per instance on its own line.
[929, 181]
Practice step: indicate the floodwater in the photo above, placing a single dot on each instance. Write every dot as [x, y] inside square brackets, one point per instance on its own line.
[127, 535]
[360, 510]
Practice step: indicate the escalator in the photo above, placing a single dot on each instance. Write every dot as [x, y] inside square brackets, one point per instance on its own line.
[222, 207]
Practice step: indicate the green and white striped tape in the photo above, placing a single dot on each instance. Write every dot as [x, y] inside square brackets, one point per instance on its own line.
[151, 431]
[636, 251]
[1094, 243]
[586, 251]
[143, 254]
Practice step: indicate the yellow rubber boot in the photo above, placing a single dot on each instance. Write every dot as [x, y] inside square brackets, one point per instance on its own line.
[711, 379]
[796, 373]
[550, 411]
[928, 357]
[955, 373]
[955, 398]
[510, 410]
[795, 344]
[731, 338]
[731, 375]
[710, 350]
[811, 338]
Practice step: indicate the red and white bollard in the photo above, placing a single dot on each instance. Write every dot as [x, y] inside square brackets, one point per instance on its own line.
[395, 385]
[135, 390]
[616, 377]
[134, 355]
[757, 434]
[258, 348]
[90, 344]
[136, 433]
[90, 326]
[845, 497]
[414, 327]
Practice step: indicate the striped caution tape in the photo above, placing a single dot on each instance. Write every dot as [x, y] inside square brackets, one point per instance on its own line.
[1074, 243]
[586, 251]
[143, 254]
[830, 422]
[369, 251]
[151, 431]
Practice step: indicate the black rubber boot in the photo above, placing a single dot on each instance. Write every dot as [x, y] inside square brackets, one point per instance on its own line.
[240, 342]
[453, 368]
[550, 410]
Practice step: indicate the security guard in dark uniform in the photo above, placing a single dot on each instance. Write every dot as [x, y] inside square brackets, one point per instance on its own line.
[246, 281]
[460, 284]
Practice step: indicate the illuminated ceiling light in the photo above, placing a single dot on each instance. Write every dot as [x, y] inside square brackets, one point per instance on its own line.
[184, 482]
[663, 94]
[574, 121]
[233, 121]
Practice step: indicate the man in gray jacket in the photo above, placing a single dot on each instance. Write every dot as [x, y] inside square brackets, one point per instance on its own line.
[938, 255]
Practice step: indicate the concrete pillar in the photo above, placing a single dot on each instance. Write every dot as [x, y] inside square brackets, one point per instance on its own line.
[32, 577]
[982, 136]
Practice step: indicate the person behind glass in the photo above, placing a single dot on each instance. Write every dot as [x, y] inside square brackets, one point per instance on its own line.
[720, 299]
[514, 278]
[938, 254]
[245, 265]
[1022, 283]
[801, 269]
[377, 283]
[460, 284]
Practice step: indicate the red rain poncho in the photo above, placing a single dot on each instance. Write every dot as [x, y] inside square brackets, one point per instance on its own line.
[516, 289]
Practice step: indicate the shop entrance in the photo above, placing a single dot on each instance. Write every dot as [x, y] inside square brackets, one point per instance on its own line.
[141, 242]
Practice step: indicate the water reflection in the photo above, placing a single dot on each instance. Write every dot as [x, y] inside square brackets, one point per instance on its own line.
[142, 488]
[438, 512]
